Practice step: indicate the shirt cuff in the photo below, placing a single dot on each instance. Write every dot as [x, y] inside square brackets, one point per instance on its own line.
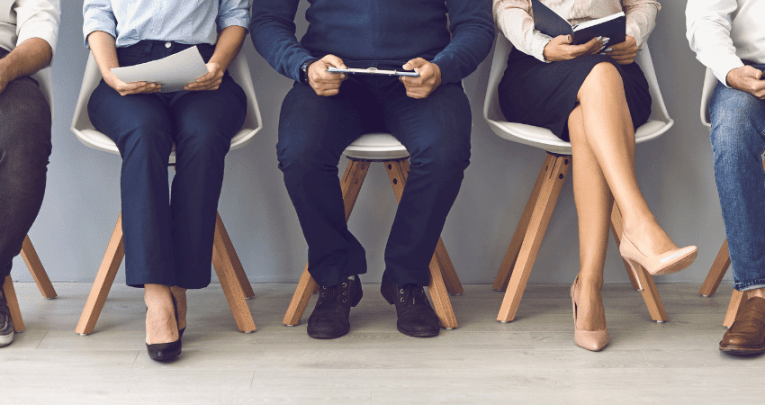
[40, 30]
[538, 44]
[449, 73]
[231, 21]
[92, 26]
[723, 65]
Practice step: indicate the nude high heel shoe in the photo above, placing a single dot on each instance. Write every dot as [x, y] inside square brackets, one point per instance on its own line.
[666, 263]
[593, 340]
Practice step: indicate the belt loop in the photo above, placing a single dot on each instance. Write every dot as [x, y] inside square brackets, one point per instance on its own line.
[148, 46]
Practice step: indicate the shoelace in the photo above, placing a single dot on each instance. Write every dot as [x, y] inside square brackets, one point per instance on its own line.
[335, 293]
[412, 292]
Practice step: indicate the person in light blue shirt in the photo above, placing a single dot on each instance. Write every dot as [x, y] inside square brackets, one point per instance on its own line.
[168, 242]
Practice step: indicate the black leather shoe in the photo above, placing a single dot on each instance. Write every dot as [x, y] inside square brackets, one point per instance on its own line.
[6, 324]
[329, 319]
[166, 351]
[415, 315]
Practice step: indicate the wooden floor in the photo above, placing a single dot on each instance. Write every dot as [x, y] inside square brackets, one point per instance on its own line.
[531, 360]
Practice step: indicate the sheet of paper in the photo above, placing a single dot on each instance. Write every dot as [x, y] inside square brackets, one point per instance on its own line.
[173, 72]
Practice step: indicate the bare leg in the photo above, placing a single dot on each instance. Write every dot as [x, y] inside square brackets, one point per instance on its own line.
[180, 300]
[160, 316]
[611, 138]
[593, 207]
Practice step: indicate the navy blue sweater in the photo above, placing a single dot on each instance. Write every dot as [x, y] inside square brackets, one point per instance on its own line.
[376, 31]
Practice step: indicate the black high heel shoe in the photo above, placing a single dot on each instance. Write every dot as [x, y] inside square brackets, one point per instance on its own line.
[166, 351]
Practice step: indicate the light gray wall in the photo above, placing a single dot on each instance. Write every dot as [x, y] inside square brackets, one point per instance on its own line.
[82, 200]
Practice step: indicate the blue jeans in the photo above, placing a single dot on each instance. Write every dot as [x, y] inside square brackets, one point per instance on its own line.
[169, 241]
[314, 131]
[738, 145]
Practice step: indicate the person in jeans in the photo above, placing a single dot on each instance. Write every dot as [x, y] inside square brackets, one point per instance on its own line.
[168, 242]
[325, 112]
[728, 37]
[28, 33]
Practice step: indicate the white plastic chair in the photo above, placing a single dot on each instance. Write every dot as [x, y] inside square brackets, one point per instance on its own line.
[722, 261]
[382, 147]
[232, 277]
[28, 253]
[519, 259]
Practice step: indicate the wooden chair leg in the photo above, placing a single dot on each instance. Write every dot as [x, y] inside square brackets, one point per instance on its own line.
[36, 268]
[736, 299]
[236, 264]
[506, 269]
[398, 171]
[115, 251]
[453, 284]
[350, 185]
[641, 281]
[225, 262]
[537, 225]
[717, 272]
[13, 304]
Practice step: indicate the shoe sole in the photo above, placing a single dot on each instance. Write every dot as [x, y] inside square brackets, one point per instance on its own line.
[328, 336]
[680, 265]
[5, 340]
[419, 334]
[741, 351]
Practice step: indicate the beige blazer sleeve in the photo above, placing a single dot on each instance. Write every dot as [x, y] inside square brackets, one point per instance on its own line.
[514, 19]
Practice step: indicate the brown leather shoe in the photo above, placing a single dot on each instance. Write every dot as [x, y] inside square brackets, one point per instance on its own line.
[747, 334]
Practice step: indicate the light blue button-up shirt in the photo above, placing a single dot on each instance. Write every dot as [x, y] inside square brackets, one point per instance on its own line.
[182, 21]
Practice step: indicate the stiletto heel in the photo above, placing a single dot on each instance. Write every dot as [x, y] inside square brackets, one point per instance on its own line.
[593, 340]
[666, 263]
[166, 351]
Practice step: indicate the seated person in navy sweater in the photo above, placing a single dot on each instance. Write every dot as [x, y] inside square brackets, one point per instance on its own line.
[324, 112]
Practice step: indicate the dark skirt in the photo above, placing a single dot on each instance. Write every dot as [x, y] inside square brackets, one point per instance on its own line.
[544, 94]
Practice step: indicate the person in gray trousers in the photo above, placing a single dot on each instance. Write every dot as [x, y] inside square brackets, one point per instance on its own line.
[28, 32]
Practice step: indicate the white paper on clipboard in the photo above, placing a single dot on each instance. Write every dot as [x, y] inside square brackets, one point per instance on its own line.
[173, 72]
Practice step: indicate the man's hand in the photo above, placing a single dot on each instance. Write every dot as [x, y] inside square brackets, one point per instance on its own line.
[126, 89]
[560, 48]
[623, 52]
[324, 83]
[429, 80]
[748, 79]
[210, 81]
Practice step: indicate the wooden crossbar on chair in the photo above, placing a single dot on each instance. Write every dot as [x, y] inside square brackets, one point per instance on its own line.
[713, 280]
[444, 278]
[35, 267]
[232, 277]
[516, 266]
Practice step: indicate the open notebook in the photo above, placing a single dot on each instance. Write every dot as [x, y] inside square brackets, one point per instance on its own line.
[550, 23]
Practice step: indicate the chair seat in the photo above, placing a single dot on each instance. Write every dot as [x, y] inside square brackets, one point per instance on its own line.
[376, 147]
[544, 138]
[97, 140]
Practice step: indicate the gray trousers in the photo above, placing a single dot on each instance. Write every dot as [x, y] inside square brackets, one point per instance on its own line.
[25, 146]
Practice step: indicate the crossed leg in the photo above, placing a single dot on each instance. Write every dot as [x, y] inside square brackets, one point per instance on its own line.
[603, 149]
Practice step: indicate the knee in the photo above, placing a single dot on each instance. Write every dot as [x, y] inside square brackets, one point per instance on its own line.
[737, 124]
[200, 137]
[25, 135]
[442, 158]
[603, 76]
[304, 155]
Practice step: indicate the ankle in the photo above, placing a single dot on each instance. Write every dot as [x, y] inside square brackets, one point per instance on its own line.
[590, 283]
[759, 292]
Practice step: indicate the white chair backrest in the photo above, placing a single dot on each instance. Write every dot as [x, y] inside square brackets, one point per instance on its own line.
[658, 123]
[45, 80]
[710, 82]
[87, 134]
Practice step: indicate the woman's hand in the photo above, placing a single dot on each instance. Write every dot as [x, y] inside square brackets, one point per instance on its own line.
[210, 81]
[126, 89]
[560, 48]
[623, 53]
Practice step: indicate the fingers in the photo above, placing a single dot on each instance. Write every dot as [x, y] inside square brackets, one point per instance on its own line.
[415, 64]
[126, 89]
[334, 61]
[324, 83]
